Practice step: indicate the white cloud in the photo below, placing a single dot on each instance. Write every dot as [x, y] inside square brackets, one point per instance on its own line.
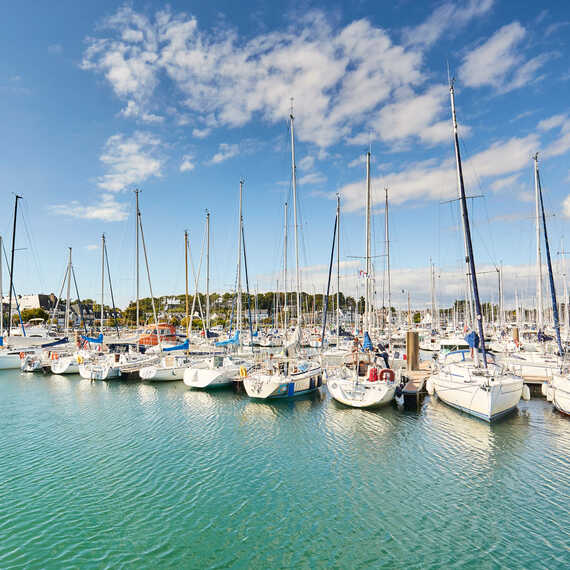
[499, 62]
[92, 247]
[201, 133]
[187, 163]
[561, 145]
[506, 182]
[566, 207]
[448, 17]
[225, 151]
[129, 160]
[107, 210]
[313, 178]
[228, 81]
[357, 161]
[436, 180]
[306, 163]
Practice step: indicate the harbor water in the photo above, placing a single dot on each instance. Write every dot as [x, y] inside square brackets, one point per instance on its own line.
[125, 474]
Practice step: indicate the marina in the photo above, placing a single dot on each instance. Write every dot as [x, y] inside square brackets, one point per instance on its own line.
[285, 286]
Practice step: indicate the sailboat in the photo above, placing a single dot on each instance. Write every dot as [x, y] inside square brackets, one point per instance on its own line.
[473, 381]
[363, 382]
[558, 391]
[290, 374]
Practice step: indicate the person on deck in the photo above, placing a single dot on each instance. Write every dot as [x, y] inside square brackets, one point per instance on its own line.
[381, 352]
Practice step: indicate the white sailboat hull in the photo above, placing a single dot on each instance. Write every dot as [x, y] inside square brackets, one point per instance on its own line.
[9, 361]
[485, 399]
[362, 394]
[561, 393]
[99, 371]
[264, 385]
[65, 365]
[158, 374]
[207, 378]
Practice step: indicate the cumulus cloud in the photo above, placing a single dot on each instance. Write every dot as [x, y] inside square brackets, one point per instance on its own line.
[129, 160]
[107, 209]
[500, 62]
[225, 151]
[187, 163]
[201, 133]
[436, 180]
[227, 81]
[313, 178]
[448, 17]
[561, 144]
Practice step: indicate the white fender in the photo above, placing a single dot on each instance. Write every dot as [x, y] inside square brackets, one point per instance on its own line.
[430, 387]
[526, 393]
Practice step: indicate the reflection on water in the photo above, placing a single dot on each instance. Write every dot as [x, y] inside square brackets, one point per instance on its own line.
[121, 473]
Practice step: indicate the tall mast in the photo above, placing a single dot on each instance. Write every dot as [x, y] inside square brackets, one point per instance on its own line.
[548, 261]
[387, 237]
[239, 307]
[68, 300]
[294, 171]
[285, 269]
[470, 261]
[137, 255]
[432, 285]
[12, 265]
[186, 273]
[337, 268]
[367, 277]
[539, 314]
[1, 290]
[102, 278]
[207, 270]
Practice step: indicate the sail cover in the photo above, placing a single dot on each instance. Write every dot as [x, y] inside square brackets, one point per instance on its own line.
[472, 339]
[367, 345]
[233, 340]
[97, 340]
[183, 346]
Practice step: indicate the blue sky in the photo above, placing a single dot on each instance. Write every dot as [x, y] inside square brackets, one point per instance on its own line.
[184, 100]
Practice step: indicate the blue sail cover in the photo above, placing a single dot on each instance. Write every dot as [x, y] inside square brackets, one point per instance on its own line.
[183, 346]
[367, 344]
[472, 339]
[1, 341]
[233, 340]
[55, 343]
[98, 340]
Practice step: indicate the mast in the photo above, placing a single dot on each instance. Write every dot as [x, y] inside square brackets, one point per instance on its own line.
[285, 270]
[239, 307]
[186, 274]
[207, 270]
[539, 305]
[294, 171]
[337, 268]
[387, 237]
[432, 284]
[548, 260]
[367, 281]
[138, 214]
[12, 265]
[467, 230]
[1, 291]
[68, 300]
[102, 278]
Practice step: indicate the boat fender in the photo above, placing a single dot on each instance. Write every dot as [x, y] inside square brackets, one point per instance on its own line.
[22, 356]
[80, 360]
[543, 388]
[373, 375]
[526, 393]
[387, 375]
[549, 393]
[243, 371]
[430, 387]
[399, 391]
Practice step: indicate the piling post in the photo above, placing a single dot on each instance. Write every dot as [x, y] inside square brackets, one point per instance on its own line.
[516, 334]
[412, 350]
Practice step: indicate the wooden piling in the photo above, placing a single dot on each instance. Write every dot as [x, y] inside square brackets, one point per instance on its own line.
[412, 350]
[516, 334]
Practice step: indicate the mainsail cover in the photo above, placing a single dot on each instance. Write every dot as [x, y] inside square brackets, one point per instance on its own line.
[367, 344]
[97, 340]
[233, 340]
[183, 346]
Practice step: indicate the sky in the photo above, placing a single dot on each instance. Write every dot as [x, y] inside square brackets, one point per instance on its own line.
[184, 100]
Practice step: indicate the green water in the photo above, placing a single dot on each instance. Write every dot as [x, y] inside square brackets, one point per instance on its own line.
[137, 475]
